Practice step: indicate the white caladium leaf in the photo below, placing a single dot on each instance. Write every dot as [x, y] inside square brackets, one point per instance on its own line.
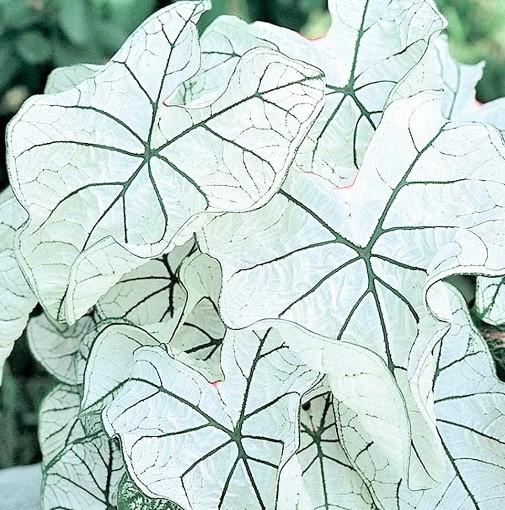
[81, 469]
[58, 348]
[110, 362]
[150, 294]
[64, 78]
[438, 70]
[458, 81]
[365, 250]
[202, 331]
[201, 336]
[197, 341]
[371, 46]
[212, 445]
[292, 493]
[371, 413]
[490, 300]
[59, 422]
[433, 206]
[112, 171]
[469, 405]
[16, 298]
[329, 478]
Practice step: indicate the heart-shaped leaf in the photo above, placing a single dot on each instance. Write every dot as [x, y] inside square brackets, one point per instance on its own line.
[212, 445]
[357, 258]
[114, 170]
[371, 46]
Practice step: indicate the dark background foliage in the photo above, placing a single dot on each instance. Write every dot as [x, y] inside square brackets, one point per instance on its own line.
[38, 35]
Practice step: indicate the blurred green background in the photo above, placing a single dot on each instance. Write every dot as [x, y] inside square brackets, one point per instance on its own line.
[38, 35]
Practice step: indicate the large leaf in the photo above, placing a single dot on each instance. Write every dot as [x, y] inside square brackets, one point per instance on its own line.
[365, 250]
[370, 47]
[112, 170]
[329, 478]
[469, 405]
[82, 469]
[352, 263]
[16, 298]
[212, 445]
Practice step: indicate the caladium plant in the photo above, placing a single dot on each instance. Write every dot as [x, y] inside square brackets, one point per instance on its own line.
[248, 249]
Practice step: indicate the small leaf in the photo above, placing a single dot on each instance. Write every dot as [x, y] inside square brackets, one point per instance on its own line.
[329, 477]
[490, 300]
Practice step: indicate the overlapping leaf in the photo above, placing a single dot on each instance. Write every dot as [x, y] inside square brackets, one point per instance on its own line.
[370, 47]
[16, 298]
[365, 250]
[215, 445]
[329, 478]
[112, 170]
[58, 348]
[490, 300]
[438, 70]
[469, 405]
[81, 469]
[150, 294]
[352, 263]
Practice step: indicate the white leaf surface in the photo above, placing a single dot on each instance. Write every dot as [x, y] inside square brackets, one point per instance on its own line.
[110, 362]
[330, 479]
[371, 46]
[212, 445]
[81, 469]
[438, 70]
[292, 493]
[113, 171]
[16, 298]
[469, 404]
[150, 294]
[371, 413]
[64, 78]
[59, 423]
[58, 348]
[490, 300]
[352, 263]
